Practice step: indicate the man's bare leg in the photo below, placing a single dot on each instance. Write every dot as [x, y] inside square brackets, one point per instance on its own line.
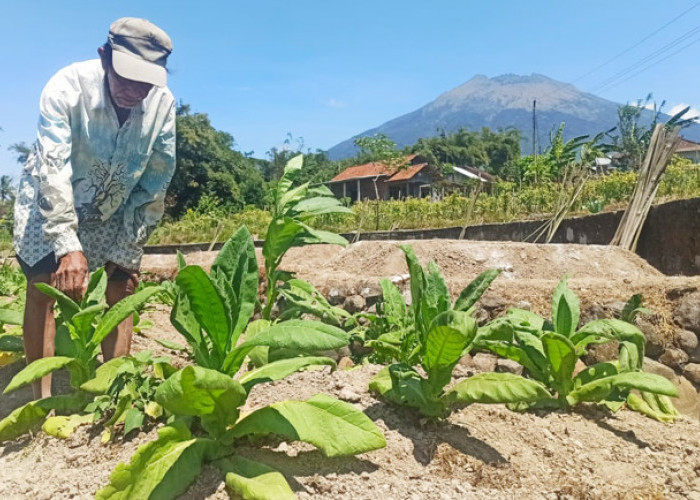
[118, 343]
[39, 330]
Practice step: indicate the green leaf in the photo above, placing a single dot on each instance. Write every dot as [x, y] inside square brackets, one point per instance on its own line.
[196, 391]
[169, 344]
[320, 205]
[96, 289]
[300, 335]
[280, 238]
[133, 420]
[565, 310]
[491, 388]
[63, 427]
[181, 263]
[303, 298]
[402, 385]
[473, 292]
[83, 319]
[11, 343]
[159, 470]
[334, 427]
[593, 372]
[67, 305]
[561, 355]
[206, 304]
[22, 420]
[279, 369]
[105, 375]
[119, 312]
[393, 305]
[633, 306]
[312, 236]
[238, 263]
[417, 283]
[435, 297]
[445, 344]
[184, 320]
[254, 481]
[523, 318]
[36, 370]
[599, 389]
[636, 403]
[10, 317]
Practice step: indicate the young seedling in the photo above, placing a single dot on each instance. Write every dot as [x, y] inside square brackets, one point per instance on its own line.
[434, 334]
[549, 350]
[291, 209]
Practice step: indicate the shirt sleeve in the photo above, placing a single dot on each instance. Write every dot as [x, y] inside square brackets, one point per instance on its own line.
[50, 165]
[146, 204]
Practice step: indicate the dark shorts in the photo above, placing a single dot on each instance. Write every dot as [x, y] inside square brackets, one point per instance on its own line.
[48, 265]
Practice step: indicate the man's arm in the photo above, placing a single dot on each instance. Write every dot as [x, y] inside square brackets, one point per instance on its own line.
[51, 168]
[146, 204]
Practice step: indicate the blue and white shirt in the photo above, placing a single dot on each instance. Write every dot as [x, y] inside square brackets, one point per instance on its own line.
[90, 184]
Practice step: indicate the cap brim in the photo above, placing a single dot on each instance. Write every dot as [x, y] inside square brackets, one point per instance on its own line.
[135, 68]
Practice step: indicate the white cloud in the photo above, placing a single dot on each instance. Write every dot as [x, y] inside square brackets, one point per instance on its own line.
[691, 113]
[335, 103]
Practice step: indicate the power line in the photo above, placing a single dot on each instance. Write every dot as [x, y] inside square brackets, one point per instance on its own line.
[614, 84]
[616, 56]
[649, 57]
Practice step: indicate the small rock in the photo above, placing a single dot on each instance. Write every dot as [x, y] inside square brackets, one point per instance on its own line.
[354, 303]
[484, 362]
[371, 295]
[675, 358]
[348, 395]
[692, 372]
[345, 363]
[508, 366]
[524, 305]
[492, 302]
[656, 341]
[466, 360]
[686, 340]
[600, 353]
[335, 298]
[481, 316]
[687, 313]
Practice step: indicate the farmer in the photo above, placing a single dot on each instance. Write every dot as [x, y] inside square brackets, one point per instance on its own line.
[93, 188]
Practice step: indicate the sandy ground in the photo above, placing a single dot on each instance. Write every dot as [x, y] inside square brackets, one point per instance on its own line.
[479, 452]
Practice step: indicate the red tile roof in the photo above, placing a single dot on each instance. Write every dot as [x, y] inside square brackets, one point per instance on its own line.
[376, 168]
[361, 171]
[686, 146]
[407, 173]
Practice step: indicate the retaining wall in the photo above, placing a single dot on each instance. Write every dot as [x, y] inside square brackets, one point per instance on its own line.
[670, 240]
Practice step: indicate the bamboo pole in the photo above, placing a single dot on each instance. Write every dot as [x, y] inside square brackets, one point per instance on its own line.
[661, 147]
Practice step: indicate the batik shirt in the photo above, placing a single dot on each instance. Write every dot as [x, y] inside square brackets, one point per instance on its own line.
[91, 185]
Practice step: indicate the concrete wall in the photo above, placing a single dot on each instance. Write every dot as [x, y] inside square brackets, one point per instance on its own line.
[670, 240]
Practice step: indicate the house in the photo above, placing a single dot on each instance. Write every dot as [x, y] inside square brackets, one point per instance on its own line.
[418, 179]
[689, 150]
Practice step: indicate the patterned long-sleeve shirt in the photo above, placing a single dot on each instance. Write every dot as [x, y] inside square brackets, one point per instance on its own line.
[91, 184]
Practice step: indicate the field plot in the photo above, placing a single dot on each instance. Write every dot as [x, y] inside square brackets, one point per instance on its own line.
[477, 452]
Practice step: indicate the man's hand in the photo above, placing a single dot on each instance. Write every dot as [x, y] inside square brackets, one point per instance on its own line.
[71, 274]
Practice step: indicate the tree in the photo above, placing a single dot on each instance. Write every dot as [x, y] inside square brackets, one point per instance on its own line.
[379, 148]
[7, 191]
[208, 164]
[21, 150]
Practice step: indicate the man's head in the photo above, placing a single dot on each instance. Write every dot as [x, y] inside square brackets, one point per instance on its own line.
[134, 59]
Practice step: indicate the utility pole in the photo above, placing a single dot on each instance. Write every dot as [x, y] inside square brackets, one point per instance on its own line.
[534, 135]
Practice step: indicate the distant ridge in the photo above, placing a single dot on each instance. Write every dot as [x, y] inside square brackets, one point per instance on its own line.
[503, 102]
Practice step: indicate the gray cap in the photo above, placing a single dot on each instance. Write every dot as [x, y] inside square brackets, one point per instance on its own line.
[139, 50]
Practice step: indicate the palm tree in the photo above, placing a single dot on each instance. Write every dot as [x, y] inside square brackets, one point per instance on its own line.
[7, 191]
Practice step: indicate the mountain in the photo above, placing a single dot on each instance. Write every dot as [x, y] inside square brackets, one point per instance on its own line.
[499, 103]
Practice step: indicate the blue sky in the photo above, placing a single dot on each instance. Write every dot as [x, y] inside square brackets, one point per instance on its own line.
[324, 71]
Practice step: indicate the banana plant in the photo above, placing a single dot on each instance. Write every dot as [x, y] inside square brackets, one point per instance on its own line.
[549, 350]
[292, 208]
[211, 401]
[213, 311]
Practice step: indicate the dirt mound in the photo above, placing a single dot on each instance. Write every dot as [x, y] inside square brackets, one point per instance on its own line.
[480, 452]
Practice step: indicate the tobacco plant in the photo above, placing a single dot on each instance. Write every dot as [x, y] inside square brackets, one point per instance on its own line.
[549, 350]
[213, 310]
[81, 327]
[125, 393]
[211, 403]
[433, 333]
[292, 207]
